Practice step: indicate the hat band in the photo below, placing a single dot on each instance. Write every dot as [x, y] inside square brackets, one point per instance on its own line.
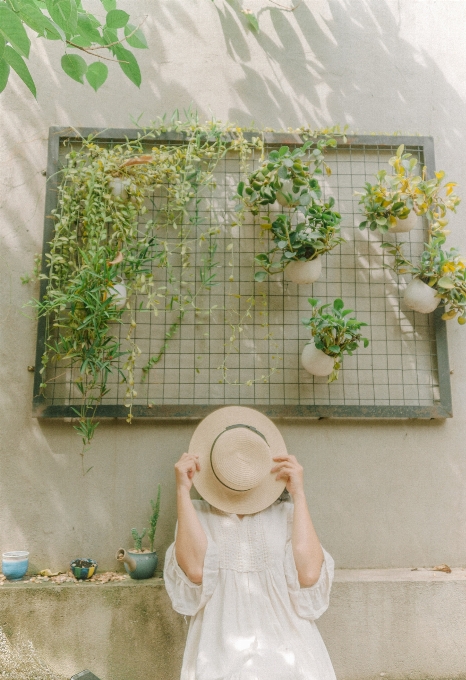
[232, 427]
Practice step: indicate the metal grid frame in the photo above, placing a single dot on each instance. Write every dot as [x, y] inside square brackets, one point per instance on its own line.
[441, 408]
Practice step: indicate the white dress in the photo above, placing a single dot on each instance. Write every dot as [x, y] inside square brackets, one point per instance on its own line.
[250, 618]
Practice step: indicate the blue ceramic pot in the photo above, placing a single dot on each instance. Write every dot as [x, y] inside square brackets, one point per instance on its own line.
[146, 564]
[83, 568]
[15, 564]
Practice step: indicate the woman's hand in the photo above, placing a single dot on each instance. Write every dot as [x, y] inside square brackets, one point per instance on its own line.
[185, 469]
[289, 469]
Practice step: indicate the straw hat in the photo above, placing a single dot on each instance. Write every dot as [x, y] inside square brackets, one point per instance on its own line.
[236, 446]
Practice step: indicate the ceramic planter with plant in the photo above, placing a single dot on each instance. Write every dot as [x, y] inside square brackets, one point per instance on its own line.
[334, 334]
[438, 278]
[287, 177]
[395, 202]
[298, 249]
[15, 564]
[141, 562]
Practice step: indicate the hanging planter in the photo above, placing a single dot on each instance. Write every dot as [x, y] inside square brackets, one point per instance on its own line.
[315, 361]
[119, 293]
[302, 272]
[334, 334]
[402, 226]
[420, 297]
[297, 249]
[119, 186]
[393, 202]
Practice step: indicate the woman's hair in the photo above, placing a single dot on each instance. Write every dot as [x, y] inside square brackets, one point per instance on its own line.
[284, 496]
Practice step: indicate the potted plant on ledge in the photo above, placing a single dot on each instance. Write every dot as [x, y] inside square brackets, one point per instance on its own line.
[141, 562]
[394, 203]
[299, 248]
[440, 277]
[334, 334]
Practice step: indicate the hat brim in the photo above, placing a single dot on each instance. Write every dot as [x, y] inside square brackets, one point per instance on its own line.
[205, 481]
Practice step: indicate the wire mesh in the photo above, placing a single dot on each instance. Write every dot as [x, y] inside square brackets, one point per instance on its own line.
[241, 341]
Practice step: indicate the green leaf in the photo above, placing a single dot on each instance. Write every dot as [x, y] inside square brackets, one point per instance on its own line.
[2, 45]
[260, 276]
[128, 64]
[117, 18]
[137, 40]
[252, 21]
[64, 13]
[338, 304]
[240, 188]
[33, 17]
[109, 5]
[87, 29]
[96, 74]
[446, 282]
[4, 73]
[74, 66]
[335, 349]
[12, 29]
[16, 62]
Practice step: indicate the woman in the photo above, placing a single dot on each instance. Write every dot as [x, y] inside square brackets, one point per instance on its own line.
[247, 567]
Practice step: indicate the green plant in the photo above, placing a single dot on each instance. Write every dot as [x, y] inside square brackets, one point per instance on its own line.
[443, 270]
[334, 332]
[286, 176]
[316, 235]
[68, 22]
[137, 538]
[394, 196]
[154, 519]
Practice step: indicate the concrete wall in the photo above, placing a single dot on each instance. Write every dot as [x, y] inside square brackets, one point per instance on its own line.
[383, 494]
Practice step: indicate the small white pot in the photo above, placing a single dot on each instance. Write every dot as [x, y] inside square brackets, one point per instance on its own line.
[302, 272]
[119, 186]
[402, 226]
[286, 188]
[118, 290]
[315, 361]
[420, 297]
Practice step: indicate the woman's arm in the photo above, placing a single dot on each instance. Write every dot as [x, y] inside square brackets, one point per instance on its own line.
[307, 551]
[191, 541]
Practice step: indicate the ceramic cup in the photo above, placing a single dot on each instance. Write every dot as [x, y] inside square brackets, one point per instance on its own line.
[15, 564]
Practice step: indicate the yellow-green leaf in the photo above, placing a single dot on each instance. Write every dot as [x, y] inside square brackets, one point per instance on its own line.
[16, 62]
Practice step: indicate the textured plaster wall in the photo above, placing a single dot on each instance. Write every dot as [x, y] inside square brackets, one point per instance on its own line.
[382, 494]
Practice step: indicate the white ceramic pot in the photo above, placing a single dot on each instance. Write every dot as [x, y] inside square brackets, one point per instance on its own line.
[315, 361]
[287, 188]
[402, 226]
[118, 290]
[420, 297]
[119, 186]
[301, 272]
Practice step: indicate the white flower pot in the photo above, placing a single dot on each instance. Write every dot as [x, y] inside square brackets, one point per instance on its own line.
[119, 186]
[302, 272]
[420, 297]
[402, 226]
[286, 188]
[315, 361]
[118, 290]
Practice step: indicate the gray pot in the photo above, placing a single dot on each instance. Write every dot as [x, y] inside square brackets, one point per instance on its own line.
[138, 565]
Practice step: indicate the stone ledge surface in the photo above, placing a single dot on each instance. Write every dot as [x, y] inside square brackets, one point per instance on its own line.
[402, 623]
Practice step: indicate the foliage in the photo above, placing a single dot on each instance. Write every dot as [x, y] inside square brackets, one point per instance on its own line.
[334, 332]
[394, 196]
[444, 270]
[20, 661]
[286, 176]
[154, 519]
[99, 238]
[137, 538]
[78, 29]
[317, 234]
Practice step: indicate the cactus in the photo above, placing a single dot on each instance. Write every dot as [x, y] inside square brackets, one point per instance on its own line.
[138, 538]
[153, 519]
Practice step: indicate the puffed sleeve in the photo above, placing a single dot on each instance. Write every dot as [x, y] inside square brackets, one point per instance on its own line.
[187, 597]
[309, 603]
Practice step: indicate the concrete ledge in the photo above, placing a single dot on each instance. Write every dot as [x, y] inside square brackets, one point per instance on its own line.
[402, 623]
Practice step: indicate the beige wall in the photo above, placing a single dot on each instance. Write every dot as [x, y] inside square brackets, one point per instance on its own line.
[382, 493]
